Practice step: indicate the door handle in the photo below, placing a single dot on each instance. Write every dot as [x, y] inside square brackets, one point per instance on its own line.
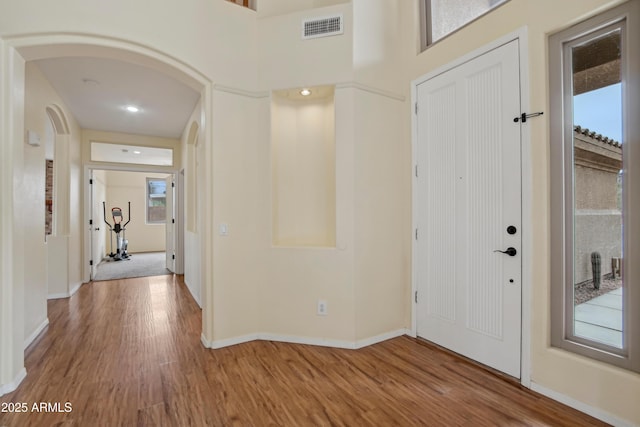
[511, 251]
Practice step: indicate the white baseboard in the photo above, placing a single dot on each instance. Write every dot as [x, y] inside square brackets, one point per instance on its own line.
[34, 334]
[382, 337]
[75, 288]
[352, 345]
[8, 388]
[63, 295]
[582, 407]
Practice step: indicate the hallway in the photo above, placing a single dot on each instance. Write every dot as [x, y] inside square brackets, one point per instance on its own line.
[128, 352]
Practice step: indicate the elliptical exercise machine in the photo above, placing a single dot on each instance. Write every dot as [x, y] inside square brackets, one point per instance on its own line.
[121, 242]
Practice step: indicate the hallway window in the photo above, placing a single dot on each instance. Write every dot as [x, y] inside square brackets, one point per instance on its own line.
[593, 78]
[156, 201]
[443, 17]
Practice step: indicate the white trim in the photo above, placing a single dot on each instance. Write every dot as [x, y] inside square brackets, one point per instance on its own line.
[73, 290]
[582, 407]
[380, 338]
[9, 387]
[58, 296]
[205, 342]
[371, 89]
[527, 185]
[321, 342]
[34, 334]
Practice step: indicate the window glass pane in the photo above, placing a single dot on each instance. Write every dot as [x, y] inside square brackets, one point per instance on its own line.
[131, 154]
[597, 188]
[446, 16]
[156, 200]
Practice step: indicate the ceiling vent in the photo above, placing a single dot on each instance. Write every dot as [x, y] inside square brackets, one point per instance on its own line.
[322, 27]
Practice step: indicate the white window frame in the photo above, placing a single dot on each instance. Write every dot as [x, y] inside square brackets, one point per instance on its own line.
[561, 154]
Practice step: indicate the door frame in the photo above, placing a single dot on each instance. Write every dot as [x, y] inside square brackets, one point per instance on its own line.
[88, 190]
[519, 35]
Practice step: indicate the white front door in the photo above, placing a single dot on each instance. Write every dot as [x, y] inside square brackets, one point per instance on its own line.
[469, 206]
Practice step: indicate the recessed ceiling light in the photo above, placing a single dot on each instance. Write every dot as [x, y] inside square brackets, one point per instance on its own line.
[137, 152]
[132, 108]
[305, 92]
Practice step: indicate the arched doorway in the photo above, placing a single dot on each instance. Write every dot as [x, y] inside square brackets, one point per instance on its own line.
[16, 53]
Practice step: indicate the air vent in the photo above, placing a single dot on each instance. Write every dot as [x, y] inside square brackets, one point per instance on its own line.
[322, 27]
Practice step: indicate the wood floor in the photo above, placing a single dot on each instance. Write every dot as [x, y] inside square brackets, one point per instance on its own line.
[128, 352]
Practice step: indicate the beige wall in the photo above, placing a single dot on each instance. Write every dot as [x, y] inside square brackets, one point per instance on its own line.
[607, 389]
[51, 268]
[286, 61]
[381, 209]
[286, 283]
[283, 7]
[203, 26]
[303, 170]
[125, 187]
[192, 148]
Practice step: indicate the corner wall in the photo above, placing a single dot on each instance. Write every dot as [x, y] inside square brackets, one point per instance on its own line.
[52, 268]
[262, 291]
[192, 156]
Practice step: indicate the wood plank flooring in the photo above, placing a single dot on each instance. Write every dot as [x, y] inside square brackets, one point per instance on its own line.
[128, 352]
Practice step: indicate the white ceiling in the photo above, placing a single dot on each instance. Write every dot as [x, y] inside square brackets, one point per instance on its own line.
[96, 90]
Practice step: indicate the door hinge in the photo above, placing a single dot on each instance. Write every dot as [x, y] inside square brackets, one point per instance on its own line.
[173, 220]
[415, 297]
[91, 262]
[416, 171]
[416, 108]
[90, 181]
[90, 222]
[173, 184]
[173, 256]
[416, 234]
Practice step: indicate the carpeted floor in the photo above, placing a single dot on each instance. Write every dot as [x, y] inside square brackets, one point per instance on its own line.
[138, 265]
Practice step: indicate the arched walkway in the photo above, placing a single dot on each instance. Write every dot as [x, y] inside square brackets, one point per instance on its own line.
[15, 53]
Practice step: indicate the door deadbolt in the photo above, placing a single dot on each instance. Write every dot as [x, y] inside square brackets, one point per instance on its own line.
[512, 230]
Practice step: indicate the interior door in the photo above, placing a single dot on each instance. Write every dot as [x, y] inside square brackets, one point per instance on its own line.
[469, 207]
[97, 227]
[93, 225]
[170, 227]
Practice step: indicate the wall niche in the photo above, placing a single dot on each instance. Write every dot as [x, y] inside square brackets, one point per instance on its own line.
[303, 167]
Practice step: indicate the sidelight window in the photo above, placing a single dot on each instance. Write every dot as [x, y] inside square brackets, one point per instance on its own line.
[595, 169]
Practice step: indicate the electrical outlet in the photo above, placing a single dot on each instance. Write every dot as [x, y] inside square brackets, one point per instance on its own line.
[322, 308]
